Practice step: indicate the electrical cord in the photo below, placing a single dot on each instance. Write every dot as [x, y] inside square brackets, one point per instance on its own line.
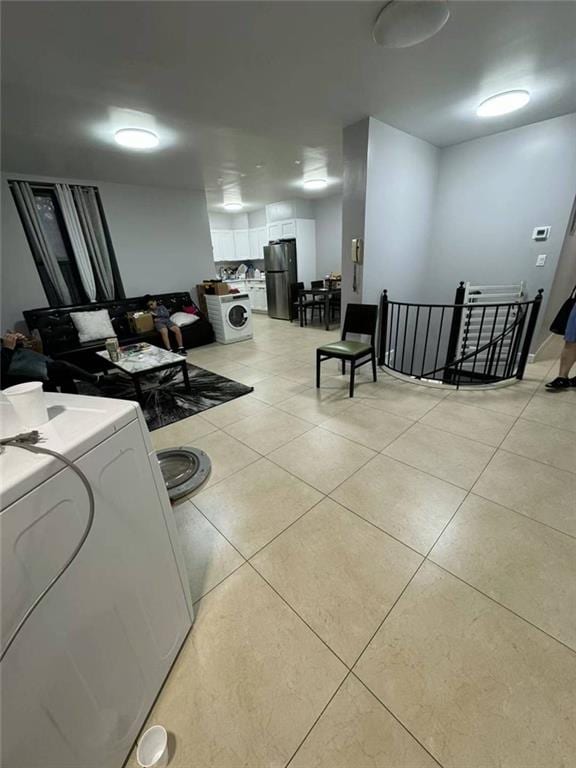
[27, 441]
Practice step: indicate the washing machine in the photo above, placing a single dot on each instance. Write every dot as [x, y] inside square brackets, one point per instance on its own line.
[231, 317]
[85, 669]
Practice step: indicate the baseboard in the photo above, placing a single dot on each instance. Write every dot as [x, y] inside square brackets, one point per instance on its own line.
[548, 350]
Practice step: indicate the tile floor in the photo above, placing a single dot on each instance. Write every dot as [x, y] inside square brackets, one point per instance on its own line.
[384, 582]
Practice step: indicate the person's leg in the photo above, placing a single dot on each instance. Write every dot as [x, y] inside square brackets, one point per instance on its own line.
[567, 359]
[163, 331]
[178, 333]
[61, 375]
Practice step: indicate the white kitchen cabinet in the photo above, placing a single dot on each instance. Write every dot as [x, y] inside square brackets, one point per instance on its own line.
[215, 236]
[223, 244]
[282, 229]
[254, 244]
[262, 240]
[288, 228]
[260, 296]
[274, 231]
[257, 293]
[258, 239]
[241, 245]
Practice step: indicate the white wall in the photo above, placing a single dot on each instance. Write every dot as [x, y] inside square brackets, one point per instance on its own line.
[401, 184]
[328, 213]
[492, 192]
[228, 220]
[257, 218]
[355, 157]
[160, 235]
[431, 217]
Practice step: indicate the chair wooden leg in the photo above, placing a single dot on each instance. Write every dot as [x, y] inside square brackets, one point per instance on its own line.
[352, 373]
[374, 365]
[318, 370]
[343, 367]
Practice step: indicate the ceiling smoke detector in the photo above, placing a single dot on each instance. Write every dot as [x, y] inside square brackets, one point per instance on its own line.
[404, 23]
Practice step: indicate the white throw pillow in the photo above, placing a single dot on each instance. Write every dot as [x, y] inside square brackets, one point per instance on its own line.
[183, 318]
[93, 325]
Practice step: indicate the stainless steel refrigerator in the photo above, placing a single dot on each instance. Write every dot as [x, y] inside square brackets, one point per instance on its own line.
[281, 275]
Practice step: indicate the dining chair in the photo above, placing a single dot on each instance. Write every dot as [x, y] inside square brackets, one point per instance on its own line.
[359, 319]
[317, 299]
[306, 303]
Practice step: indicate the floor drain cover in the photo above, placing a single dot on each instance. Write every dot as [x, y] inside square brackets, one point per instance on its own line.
[183, 469]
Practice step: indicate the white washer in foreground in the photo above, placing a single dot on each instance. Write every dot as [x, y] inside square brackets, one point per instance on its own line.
[231, 317]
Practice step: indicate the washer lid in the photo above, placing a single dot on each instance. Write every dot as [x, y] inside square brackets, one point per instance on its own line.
[77, 424]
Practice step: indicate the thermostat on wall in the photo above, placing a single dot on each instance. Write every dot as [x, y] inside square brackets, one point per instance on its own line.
[541, 233]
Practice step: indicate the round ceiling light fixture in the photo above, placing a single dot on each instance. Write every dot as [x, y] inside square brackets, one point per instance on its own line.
[136, 138]
[503, 103]
[315, 184]
[233, 207]
[402, 24]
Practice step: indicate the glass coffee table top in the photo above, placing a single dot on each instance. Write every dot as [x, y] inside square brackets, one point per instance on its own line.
[146, 358]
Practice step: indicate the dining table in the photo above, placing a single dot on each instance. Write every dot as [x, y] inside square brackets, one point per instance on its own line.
[326, 293]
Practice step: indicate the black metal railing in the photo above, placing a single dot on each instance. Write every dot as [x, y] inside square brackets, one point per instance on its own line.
[460, 344]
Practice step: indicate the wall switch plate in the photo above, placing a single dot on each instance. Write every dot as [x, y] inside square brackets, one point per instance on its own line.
[541, 260]
[541, 233]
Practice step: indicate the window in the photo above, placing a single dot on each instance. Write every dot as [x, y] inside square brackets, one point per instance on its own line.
[51, 220]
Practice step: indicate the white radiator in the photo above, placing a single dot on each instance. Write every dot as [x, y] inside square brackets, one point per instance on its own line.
[479, 323]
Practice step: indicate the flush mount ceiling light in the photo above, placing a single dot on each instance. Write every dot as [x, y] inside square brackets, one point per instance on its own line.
[136, 138]
[404, 23]
[233, 207]
[314, 184]
[502, 103]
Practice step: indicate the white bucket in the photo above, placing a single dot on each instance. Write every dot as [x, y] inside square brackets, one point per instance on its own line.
[152, 751]
[28, 402]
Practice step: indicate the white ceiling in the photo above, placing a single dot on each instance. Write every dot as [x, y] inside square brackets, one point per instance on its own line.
[232, 85]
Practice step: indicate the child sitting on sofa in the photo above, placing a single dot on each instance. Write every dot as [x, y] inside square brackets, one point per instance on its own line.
[163, 324]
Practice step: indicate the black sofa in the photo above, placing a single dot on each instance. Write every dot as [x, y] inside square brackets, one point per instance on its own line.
[60, 340]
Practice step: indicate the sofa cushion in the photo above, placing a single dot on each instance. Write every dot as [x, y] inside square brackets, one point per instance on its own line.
[93, 325]
[183, 318]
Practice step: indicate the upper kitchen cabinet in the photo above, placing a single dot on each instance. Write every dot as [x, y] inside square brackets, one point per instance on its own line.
[258, 239]
[241, 245]
[282, 229]
[223, 245]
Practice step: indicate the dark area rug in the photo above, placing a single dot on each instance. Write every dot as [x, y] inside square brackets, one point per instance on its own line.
[165, 397]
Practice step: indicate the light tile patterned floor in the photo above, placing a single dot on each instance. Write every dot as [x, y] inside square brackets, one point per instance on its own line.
[388, 582]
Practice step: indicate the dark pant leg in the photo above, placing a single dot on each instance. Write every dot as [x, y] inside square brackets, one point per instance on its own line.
[62, 374]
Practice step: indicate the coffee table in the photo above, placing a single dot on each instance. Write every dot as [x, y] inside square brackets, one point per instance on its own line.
[147, 359]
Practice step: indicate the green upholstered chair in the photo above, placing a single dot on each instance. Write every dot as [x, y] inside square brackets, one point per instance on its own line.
[360, 319]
